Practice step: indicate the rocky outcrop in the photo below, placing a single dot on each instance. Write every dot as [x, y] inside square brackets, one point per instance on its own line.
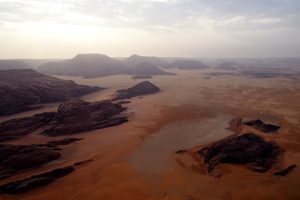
[72, 117]
[35, 181]
[248, 149]
[20, 89]
[78, 116]
[285, 171]
[188, 64]
[261, 126]
[16, 128]
[15, 158]
[142, 88]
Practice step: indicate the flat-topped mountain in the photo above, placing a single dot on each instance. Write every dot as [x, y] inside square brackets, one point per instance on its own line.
[88, 65]
[22, 88]
[136, 60]
[188, 64]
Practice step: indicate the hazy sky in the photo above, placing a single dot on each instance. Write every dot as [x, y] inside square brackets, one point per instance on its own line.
[193, 28]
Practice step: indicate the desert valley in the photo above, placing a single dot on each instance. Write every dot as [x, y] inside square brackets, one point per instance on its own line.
[149, 128]
[149, 100]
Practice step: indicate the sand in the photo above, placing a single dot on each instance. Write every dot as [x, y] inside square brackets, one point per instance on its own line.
[137, 160]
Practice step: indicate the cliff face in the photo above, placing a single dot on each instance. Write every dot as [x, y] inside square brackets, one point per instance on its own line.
[22, 88]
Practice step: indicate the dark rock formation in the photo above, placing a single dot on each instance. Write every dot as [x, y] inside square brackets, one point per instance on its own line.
[22, 88]
[35, 181]
[65, 141]
[123, 102]
[141, 77]
[79, 116]
[82, 162]
[72, 117]
[15, 128]
[15, 158]
[285, 171]
[245, 149]
[188, 64]
[87, 65]
[142, 88]
[260, 125]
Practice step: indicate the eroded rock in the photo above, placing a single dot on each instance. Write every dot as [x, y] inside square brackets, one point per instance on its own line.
[72, 117]
[285, 171]
[35, 181]
[20, 89]
[142, 88]
[15, 158]
[78, 116]
[248, 149]
[261, 126]
[16, 128]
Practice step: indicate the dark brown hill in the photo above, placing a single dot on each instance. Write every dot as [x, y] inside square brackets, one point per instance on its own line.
[22, 88]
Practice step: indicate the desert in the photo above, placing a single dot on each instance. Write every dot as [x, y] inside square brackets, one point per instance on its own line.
[149, 100]
[152, 156]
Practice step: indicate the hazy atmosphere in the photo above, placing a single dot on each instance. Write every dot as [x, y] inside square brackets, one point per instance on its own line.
[191, 28]
[150, 99]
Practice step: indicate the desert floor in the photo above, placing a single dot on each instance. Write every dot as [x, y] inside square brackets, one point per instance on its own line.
[137, 160]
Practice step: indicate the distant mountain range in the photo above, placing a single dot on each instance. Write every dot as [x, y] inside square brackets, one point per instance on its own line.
[88, 65]
[24, 63]
[97, 65]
